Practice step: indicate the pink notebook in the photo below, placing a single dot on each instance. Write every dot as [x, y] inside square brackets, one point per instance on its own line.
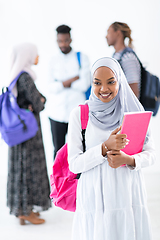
[135, 125]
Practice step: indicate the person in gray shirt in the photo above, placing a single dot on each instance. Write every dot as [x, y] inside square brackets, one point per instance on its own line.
[117, 33]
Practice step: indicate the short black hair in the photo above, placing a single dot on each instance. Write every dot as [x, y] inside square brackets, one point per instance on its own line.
[63, 29]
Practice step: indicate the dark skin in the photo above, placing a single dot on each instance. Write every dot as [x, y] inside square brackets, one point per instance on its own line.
[105, 87]
[116, 39]
[64, 40]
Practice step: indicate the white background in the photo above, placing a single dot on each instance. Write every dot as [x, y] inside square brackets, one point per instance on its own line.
[36, 20]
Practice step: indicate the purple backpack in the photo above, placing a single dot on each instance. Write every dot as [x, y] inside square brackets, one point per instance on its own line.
[16, 124]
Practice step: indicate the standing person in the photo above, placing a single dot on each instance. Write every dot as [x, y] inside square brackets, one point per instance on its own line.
[116, 35]
[111, 200]
[68, 82]
[28, 184]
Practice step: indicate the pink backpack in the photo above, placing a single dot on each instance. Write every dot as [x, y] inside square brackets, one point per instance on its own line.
[63, 181]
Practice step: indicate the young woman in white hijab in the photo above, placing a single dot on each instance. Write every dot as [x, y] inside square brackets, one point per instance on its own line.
[21, 58]
[28, 184]
[111, 200]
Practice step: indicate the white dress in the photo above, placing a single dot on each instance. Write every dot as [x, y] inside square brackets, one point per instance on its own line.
[111, 203]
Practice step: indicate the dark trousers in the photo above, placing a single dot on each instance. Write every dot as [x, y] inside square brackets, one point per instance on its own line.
[59, 131]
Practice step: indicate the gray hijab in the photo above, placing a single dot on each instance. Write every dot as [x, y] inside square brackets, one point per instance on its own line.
[109, 116]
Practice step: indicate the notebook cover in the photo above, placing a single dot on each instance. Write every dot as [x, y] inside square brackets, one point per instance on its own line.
[135, 125]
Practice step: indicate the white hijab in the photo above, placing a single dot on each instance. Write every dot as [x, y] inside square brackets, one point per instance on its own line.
[108, 116]
[21, 58]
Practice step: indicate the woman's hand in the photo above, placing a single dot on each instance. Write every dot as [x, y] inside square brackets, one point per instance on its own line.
[116, 141]
[30, 107]
[118, 158]
[43, 99]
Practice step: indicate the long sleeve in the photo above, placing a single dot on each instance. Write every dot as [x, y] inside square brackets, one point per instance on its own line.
[62, 68]
[84, 81]
[54, 85]
[28, 90]
[62, 100]
[79, 161]
[147, 157]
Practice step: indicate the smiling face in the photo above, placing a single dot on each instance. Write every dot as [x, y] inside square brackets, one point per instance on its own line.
[105, 84]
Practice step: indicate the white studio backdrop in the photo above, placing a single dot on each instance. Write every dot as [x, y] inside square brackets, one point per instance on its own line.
[36, 20]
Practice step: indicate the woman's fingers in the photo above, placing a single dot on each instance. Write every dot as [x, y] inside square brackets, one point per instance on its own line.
[116, 131]
[113, 152]
[121, 136]
[121, 140]
[30, 107]
[117, 141]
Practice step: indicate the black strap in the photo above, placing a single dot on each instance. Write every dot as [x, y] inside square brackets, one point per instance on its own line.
[22, 121]
[142, 83]
[84, 148]
[4, 89]
[83, 140]
[129, 50]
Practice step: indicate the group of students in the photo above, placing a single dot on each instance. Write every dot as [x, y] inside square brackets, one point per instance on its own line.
[111, 200]
[69, 79]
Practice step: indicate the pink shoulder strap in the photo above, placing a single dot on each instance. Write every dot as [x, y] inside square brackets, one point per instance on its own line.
[84, 115]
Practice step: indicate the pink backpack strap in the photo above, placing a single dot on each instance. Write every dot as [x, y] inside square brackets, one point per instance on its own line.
[84, 115]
